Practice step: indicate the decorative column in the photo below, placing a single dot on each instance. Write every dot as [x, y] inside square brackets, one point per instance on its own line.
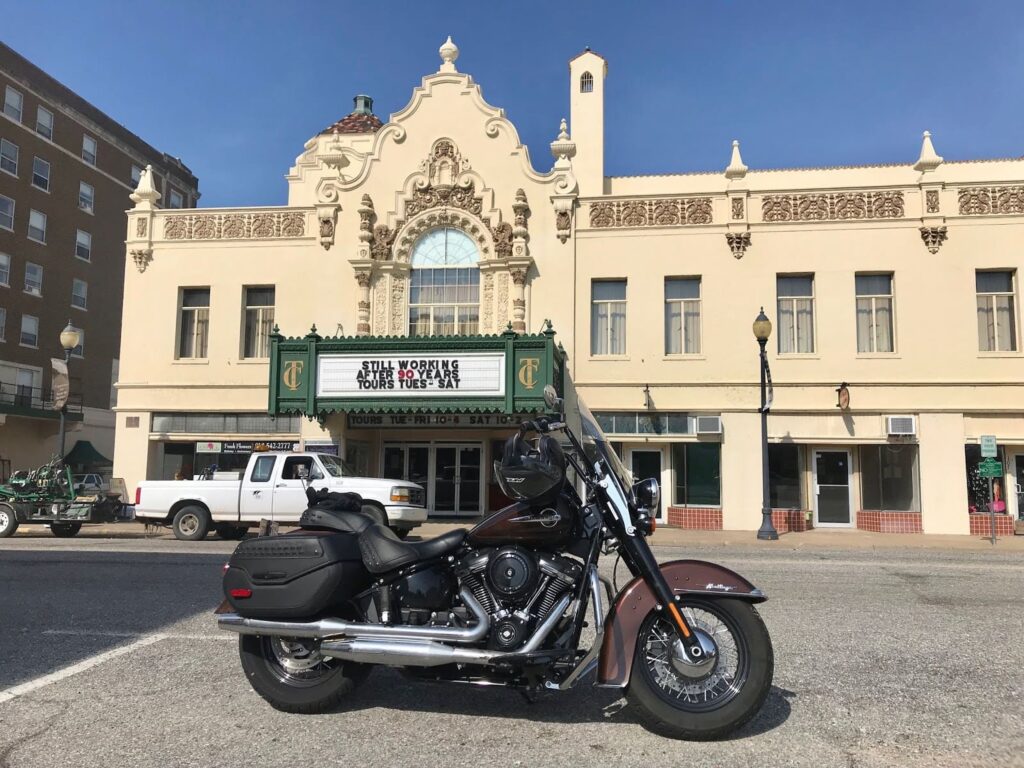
[563, 148]
[363, 266]
[933, 223]
[140, 220]
[519, 299]
[738, 237]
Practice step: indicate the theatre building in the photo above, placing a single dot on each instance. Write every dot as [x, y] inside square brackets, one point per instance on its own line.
[428, 277]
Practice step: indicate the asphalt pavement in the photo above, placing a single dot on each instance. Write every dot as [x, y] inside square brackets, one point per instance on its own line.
[884, 657]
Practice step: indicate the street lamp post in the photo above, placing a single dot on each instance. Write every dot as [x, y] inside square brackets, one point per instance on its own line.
[69, 339]
[763, 330]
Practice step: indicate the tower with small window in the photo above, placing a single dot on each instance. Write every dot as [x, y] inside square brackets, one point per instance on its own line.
[587, 74]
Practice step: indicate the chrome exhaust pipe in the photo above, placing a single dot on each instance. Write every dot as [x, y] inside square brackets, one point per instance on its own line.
[416, 653]
[232, 622]
[403, 653]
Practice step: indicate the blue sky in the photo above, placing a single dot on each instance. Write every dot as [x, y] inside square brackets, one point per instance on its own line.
[235, 88]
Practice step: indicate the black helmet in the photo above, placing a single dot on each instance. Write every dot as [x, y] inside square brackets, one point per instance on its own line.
[531, 474]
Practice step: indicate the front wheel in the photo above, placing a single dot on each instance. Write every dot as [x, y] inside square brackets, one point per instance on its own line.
[8, 521]
[292, 675]
[715, 696]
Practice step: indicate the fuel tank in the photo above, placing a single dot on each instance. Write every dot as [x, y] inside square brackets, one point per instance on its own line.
[524, 523]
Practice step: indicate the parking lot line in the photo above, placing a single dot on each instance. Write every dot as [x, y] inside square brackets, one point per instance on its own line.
[86, 664]
[163, 635]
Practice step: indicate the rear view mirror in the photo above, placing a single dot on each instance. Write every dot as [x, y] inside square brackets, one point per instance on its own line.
[551, 398]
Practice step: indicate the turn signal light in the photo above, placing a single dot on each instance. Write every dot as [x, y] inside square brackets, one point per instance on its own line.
[400, 494]
[240, 594]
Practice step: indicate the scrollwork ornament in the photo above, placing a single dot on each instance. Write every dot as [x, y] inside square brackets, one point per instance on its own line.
[738, 243]
[933, 238]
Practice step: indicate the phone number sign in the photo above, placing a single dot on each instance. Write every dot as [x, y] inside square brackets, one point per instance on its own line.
[393, 375]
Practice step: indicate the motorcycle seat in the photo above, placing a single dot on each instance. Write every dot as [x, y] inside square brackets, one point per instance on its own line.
[335, 520]
[383, 551]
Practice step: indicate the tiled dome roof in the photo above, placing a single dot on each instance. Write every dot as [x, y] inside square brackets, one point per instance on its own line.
[359, 120]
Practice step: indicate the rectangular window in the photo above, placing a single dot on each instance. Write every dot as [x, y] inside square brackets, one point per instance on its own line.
[44, 122]
[608, 317]
[6, 212]
[784, 476]
[41, 174]
[194, 322]
[5, 269]
[29, 331]
[37, 226]
[9, 157]
[79, 294]
[3, 324]
[89, 149]
[13, 103]
[874, 313]
[795, 313]
[997, 319]
[682, 316]
[86, 197]
[262, 469]
[83, 245]
[697, 470]
[259, 319]
[33, 279]
[888, 475]
[136, 175]
[175, 200]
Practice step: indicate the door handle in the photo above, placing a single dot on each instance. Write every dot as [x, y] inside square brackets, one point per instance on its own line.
[256, 493]
[281, 485]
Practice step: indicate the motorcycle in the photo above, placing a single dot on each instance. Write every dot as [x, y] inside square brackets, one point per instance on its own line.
[506, 602]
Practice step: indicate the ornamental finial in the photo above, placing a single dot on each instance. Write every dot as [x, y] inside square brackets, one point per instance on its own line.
[736, 169]
[449, 53]
[928, 159]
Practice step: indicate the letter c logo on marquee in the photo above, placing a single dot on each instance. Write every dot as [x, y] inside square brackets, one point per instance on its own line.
[528, 368]
[292, 374]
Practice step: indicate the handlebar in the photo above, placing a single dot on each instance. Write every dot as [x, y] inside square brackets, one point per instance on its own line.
[541, 425]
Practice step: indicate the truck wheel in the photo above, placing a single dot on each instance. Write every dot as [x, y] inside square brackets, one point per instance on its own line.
[65, 530]
[230, 532]
[191, 524]
[402, 533]
[375, 513]
[8, 521]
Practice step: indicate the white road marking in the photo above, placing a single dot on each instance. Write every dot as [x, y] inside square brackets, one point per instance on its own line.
[163, 635]
[62, 674]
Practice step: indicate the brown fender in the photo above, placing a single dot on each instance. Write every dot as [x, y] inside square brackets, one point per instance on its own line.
[636, 600]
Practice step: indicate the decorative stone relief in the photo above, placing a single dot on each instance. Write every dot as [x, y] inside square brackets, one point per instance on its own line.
[380, 305]
[738, 243]
[737, 207]
[563, 148]
[232, 226]
[982, 201]
[398, 309]
[651, 213]
[503, 240]
[380, 245]
[933, 238]
[140, 227]
[327, 216]
[142, 257]
[833, 206]
[487, 301]
[502, 309]
[931, 198]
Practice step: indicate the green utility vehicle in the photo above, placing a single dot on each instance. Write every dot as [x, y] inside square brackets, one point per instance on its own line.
[48, 496]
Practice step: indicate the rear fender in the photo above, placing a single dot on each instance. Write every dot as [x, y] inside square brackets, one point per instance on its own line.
[636, 600]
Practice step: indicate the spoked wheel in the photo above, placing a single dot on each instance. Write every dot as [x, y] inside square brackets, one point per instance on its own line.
[293, 676]
[715, 695]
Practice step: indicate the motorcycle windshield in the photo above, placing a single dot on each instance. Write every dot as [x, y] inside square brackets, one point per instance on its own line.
[598, 446]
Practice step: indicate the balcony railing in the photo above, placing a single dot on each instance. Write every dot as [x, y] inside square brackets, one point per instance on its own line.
[38, 401]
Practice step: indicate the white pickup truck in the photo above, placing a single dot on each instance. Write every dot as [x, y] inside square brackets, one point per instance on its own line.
[273, 487]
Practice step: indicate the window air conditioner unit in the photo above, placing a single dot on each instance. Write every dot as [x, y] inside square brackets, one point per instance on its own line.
[709, 425]
[901, 426]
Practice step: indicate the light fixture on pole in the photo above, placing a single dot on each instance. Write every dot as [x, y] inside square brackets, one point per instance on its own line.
[69, 339]
[762, 331]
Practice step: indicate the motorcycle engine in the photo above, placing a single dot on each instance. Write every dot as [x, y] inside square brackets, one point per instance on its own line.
[517, 587]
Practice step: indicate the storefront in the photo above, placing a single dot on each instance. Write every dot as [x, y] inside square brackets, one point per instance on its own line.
[430, 410]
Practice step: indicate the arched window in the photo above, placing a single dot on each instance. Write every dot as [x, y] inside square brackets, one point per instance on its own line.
[586, 82]
[444, 288]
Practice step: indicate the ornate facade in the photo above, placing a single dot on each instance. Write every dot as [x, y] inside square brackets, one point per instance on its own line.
[898, 282]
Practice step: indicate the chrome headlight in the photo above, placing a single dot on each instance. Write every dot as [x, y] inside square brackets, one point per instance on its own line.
[647, 494]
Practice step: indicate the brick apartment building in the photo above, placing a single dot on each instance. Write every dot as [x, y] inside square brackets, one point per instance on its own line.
[66, 173]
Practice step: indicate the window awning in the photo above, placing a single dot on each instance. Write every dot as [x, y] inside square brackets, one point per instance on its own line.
[504, 373]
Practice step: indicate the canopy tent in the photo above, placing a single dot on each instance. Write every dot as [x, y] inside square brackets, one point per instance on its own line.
[84, 454]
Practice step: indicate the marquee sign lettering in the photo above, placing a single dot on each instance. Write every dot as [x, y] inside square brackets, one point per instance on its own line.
[426, 374]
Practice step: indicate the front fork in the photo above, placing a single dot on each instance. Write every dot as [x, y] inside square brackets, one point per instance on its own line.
[645, 565]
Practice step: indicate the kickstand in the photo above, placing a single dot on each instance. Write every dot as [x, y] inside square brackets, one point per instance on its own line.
[528, 695]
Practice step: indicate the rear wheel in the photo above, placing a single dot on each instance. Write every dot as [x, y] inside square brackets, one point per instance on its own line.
[718, 694]
[191, 523]
[292, 675]
[8, 521]
[65, 530]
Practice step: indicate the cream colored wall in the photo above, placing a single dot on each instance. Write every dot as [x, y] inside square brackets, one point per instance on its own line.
[586, 123]
[943, 478]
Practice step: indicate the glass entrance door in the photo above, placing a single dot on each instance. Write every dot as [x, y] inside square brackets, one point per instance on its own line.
[457, 480]
[1018, 478]
[832, 489]
[645, 465]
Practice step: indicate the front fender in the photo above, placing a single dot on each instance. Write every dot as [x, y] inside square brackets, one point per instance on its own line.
[636, 600]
